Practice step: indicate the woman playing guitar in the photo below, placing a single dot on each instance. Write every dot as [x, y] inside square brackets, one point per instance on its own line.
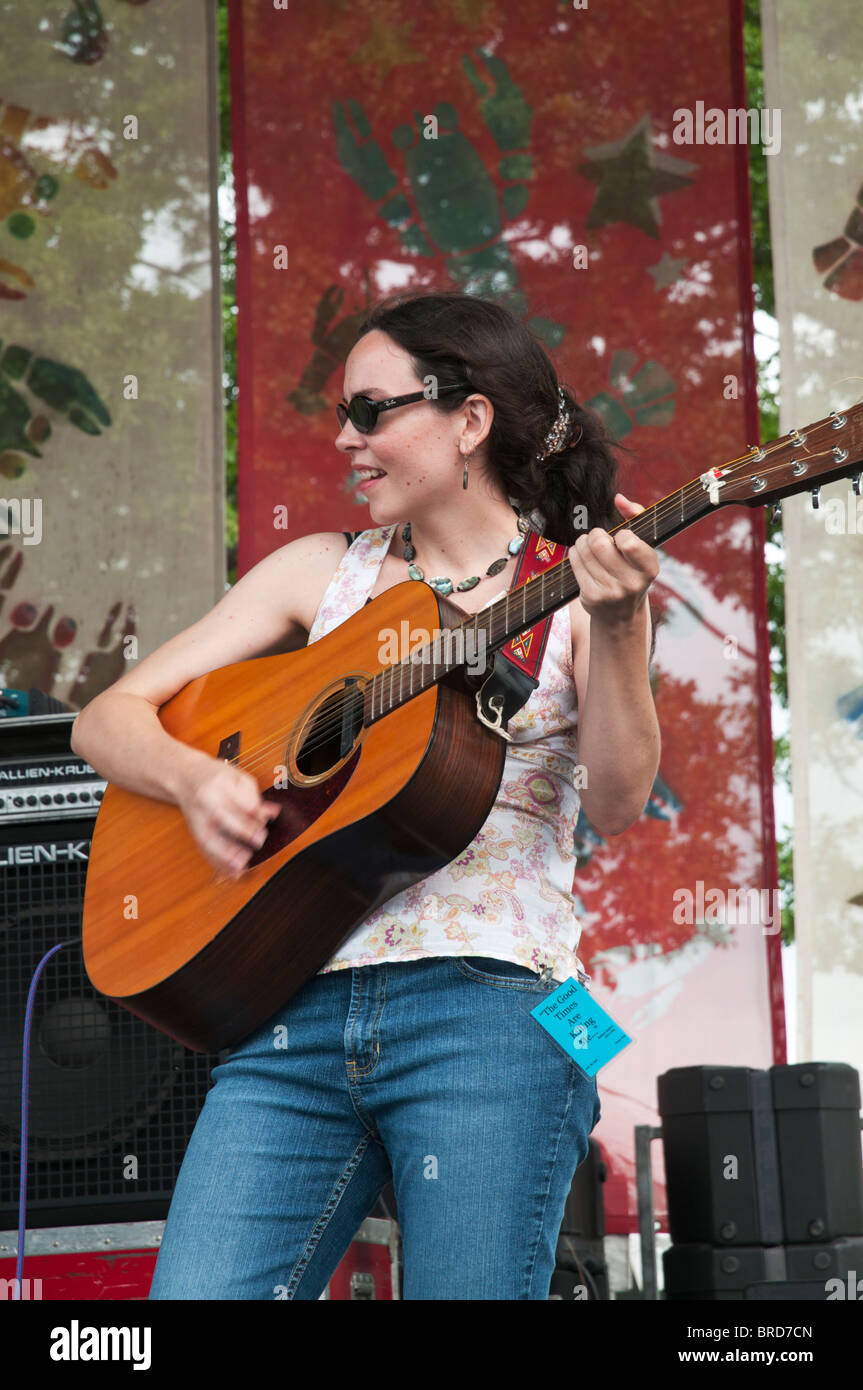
[407, 1057]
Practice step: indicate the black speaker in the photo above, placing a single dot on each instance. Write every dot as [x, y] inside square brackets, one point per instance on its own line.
[721, 1163]
[815, 1273]
[816, 1108]
[112, 1101]
[756, 1157]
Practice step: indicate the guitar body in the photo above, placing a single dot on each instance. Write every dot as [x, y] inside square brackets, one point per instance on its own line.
[364, 813]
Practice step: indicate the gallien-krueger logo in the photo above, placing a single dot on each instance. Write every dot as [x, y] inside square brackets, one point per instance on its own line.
[51, 853]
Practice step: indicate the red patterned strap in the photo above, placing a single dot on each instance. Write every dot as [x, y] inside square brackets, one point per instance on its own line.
[527, 648]
[514, 676]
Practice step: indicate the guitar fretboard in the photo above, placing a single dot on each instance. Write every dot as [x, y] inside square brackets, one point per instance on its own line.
[519, 610]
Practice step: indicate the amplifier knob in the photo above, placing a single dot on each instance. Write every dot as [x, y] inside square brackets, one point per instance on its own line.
[71, 796]
[99, 794]
[45, 799]
[32, 801]
[59, 798]
[17, 801]
[83, 796]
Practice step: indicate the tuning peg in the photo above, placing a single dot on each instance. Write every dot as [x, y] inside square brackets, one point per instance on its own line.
[855, 483]
[815, 492]
[776, 511]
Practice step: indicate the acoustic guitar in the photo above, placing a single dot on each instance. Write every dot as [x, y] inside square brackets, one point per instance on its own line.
[383, 773]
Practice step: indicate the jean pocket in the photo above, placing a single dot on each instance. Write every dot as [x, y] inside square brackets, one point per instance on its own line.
[488, 970]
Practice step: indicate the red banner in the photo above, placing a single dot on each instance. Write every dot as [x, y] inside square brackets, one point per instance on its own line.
[557, 178]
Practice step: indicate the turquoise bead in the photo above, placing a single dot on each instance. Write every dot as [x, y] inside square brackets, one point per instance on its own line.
[515, 546]
[468, 583]
[441, 584]
[415, 572]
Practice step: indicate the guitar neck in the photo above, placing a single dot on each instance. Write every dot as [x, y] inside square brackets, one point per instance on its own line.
[493, 626]
[801, 460]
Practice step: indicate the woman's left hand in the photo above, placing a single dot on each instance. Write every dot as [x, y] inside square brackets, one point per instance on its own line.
[615, 572]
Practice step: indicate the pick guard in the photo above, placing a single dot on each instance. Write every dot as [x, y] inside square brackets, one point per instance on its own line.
[299, 807]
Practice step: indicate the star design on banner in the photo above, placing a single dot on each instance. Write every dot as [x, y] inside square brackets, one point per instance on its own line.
[666, 271]
[631, 176]
[386, 48]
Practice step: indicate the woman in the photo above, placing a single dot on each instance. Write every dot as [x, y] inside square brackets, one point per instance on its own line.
[410, 1056]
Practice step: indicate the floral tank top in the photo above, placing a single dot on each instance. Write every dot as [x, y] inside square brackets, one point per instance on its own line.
[508, 894]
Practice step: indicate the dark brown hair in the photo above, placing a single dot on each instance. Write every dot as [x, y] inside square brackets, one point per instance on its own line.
[463, 340]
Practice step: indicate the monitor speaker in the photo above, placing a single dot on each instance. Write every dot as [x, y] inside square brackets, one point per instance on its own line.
[112, 1102]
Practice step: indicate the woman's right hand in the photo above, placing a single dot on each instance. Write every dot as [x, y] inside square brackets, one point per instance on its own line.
[226, 814]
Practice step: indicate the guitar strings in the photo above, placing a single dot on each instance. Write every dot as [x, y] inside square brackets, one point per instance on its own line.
[355, 696]
[349, 701]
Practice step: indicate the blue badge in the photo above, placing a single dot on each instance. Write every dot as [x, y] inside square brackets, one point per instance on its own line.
[580, 1026]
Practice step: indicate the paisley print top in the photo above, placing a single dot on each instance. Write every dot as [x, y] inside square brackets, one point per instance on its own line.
[508, 894]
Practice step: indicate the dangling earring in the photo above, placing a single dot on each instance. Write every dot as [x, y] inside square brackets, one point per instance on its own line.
[467, 459]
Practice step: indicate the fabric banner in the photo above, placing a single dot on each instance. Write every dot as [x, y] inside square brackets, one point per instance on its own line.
[812, 73]
[111, 452]
[553, 156]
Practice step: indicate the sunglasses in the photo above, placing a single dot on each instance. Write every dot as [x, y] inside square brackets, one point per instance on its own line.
[363, 413]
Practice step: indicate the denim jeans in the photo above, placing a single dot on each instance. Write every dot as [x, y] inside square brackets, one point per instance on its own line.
[423, 1073]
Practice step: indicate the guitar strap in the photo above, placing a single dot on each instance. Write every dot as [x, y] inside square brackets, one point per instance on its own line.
[515, 674]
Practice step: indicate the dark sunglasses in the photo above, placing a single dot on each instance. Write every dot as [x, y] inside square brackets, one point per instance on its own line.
[363, 413]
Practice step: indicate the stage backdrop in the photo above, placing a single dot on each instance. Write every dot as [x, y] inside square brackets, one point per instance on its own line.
[554, 181]
[812, 71]
[111, 454]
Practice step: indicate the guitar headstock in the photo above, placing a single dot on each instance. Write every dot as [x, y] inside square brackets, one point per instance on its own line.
[803, 460]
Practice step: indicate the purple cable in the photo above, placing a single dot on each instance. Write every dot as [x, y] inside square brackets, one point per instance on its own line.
[25, 1082]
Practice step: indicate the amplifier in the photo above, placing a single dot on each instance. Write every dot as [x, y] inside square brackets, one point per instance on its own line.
[41, 779]
[112, 1101]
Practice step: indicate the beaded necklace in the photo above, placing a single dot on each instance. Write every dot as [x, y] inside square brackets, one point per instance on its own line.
[442, 583]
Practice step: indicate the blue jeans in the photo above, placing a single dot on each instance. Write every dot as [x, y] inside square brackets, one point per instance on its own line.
[424, 1073]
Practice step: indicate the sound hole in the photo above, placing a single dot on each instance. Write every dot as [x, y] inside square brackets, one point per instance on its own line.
[333, 729]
